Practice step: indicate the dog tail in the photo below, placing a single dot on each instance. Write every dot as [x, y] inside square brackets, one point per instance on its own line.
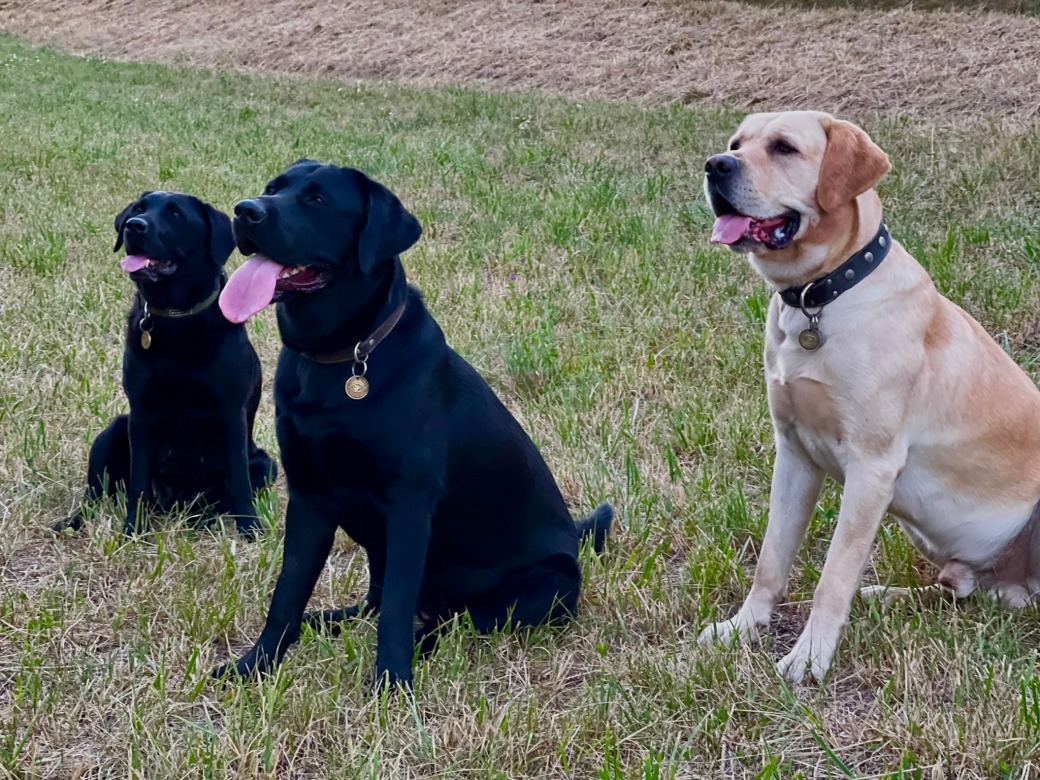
[597, 525]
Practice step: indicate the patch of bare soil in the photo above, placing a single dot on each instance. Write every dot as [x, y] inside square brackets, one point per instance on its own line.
[940, 67]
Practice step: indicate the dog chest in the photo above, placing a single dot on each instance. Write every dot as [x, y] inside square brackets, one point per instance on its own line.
[327, 452]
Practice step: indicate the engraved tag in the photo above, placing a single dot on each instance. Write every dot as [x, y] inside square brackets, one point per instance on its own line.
[357, 387]
[810, 339]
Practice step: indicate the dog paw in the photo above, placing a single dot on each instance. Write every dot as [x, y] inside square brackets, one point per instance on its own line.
[884, 594]
[250, 665]
[738, 629]
[250, 528]
[133, 526]
[812, 653]
[69, 525]
[1015, 596]
[227, 672]
[391, 682]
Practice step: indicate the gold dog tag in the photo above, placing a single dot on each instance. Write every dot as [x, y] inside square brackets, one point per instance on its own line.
[146, 339]
[810, 339]
[357, 387]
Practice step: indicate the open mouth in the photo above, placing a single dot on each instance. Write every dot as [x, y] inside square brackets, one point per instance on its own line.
[144, 268]
[301, 278]
[261, 281]
[735, 229]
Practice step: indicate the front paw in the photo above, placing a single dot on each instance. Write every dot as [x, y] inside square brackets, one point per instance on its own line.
[250, 527]
[72, 523]
[742, 628]
[812, 653]
[133, 525]
[391, 681]
[252, 665]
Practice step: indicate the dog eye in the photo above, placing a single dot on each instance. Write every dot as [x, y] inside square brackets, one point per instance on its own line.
[269, 189]
[782, 147]
[176, 213]
[734, 145]
[316, 199]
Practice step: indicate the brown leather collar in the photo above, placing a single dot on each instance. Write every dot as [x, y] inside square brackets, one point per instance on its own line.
[362, 349]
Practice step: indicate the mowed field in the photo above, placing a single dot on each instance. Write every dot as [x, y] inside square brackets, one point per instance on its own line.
[566, 256]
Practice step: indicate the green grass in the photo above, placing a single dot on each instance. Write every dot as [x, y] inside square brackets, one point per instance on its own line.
[566, 256]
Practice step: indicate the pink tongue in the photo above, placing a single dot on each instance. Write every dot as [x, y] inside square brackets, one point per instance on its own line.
[729, 228]
[132, 263]
[250, 288]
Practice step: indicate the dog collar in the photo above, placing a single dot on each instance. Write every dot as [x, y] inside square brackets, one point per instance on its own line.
[819, 292]
[357, 385]
[146, 323]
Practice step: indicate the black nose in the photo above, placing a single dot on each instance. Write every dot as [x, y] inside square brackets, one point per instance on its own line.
[250, 211]
[136, 225]
[720, 166]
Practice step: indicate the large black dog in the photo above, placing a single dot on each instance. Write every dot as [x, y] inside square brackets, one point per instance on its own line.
[192, 377]
[387, 433]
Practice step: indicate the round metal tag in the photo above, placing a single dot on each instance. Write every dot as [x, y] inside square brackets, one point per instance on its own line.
[146, 339]
[810, 339]
[357, 387]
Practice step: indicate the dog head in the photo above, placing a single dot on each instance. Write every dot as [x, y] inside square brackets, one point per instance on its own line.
[173, 239]
[786, 189]
[315, 227]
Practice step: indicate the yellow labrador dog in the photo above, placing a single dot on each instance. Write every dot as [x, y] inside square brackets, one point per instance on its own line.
[874, 378]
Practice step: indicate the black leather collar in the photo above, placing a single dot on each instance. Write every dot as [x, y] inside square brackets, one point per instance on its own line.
[826, 289]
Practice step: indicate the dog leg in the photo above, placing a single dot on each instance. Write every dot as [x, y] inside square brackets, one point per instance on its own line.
[238, 492]
[795, 488]
[332, 619]
[407, 539]
[308, 541]
[108, 469]
[868, 492]
[139, 489]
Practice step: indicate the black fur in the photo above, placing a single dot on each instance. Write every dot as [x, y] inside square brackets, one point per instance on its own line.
[194, 393]
[430, 473]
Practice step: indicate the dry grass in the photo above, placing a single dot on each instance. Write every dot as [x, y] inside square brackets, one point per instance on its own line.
[934, 67]
[1031, 7]
[565, 255]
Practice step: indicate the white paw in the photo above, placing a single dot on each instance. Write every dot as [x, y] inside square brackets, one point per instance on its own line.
[813, 652]
[1015, 596]
[740, 629]
[883, 593]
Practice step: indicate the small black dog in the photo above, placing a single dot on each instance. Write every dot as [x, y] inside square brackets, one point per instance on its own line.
[192, 377]
[387, 433]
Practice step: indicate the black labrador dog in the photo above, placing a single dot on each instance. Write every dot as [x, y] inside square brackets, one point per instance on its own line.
[387, 433]
[192, 377]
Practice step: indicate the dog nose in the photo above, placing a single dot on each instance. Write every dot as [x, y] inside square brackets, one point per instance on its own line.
[136, 225]
[250, 211]
[720, 166]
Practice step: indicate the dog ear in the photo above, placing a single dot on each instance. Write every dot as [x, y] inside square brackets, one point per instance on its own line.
[121, 218]
[852, 164]
[389, 228]
[219, 237]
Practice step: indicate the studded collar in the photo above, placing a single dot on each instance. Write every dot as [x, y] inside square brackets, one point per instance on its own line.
[819, 292]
